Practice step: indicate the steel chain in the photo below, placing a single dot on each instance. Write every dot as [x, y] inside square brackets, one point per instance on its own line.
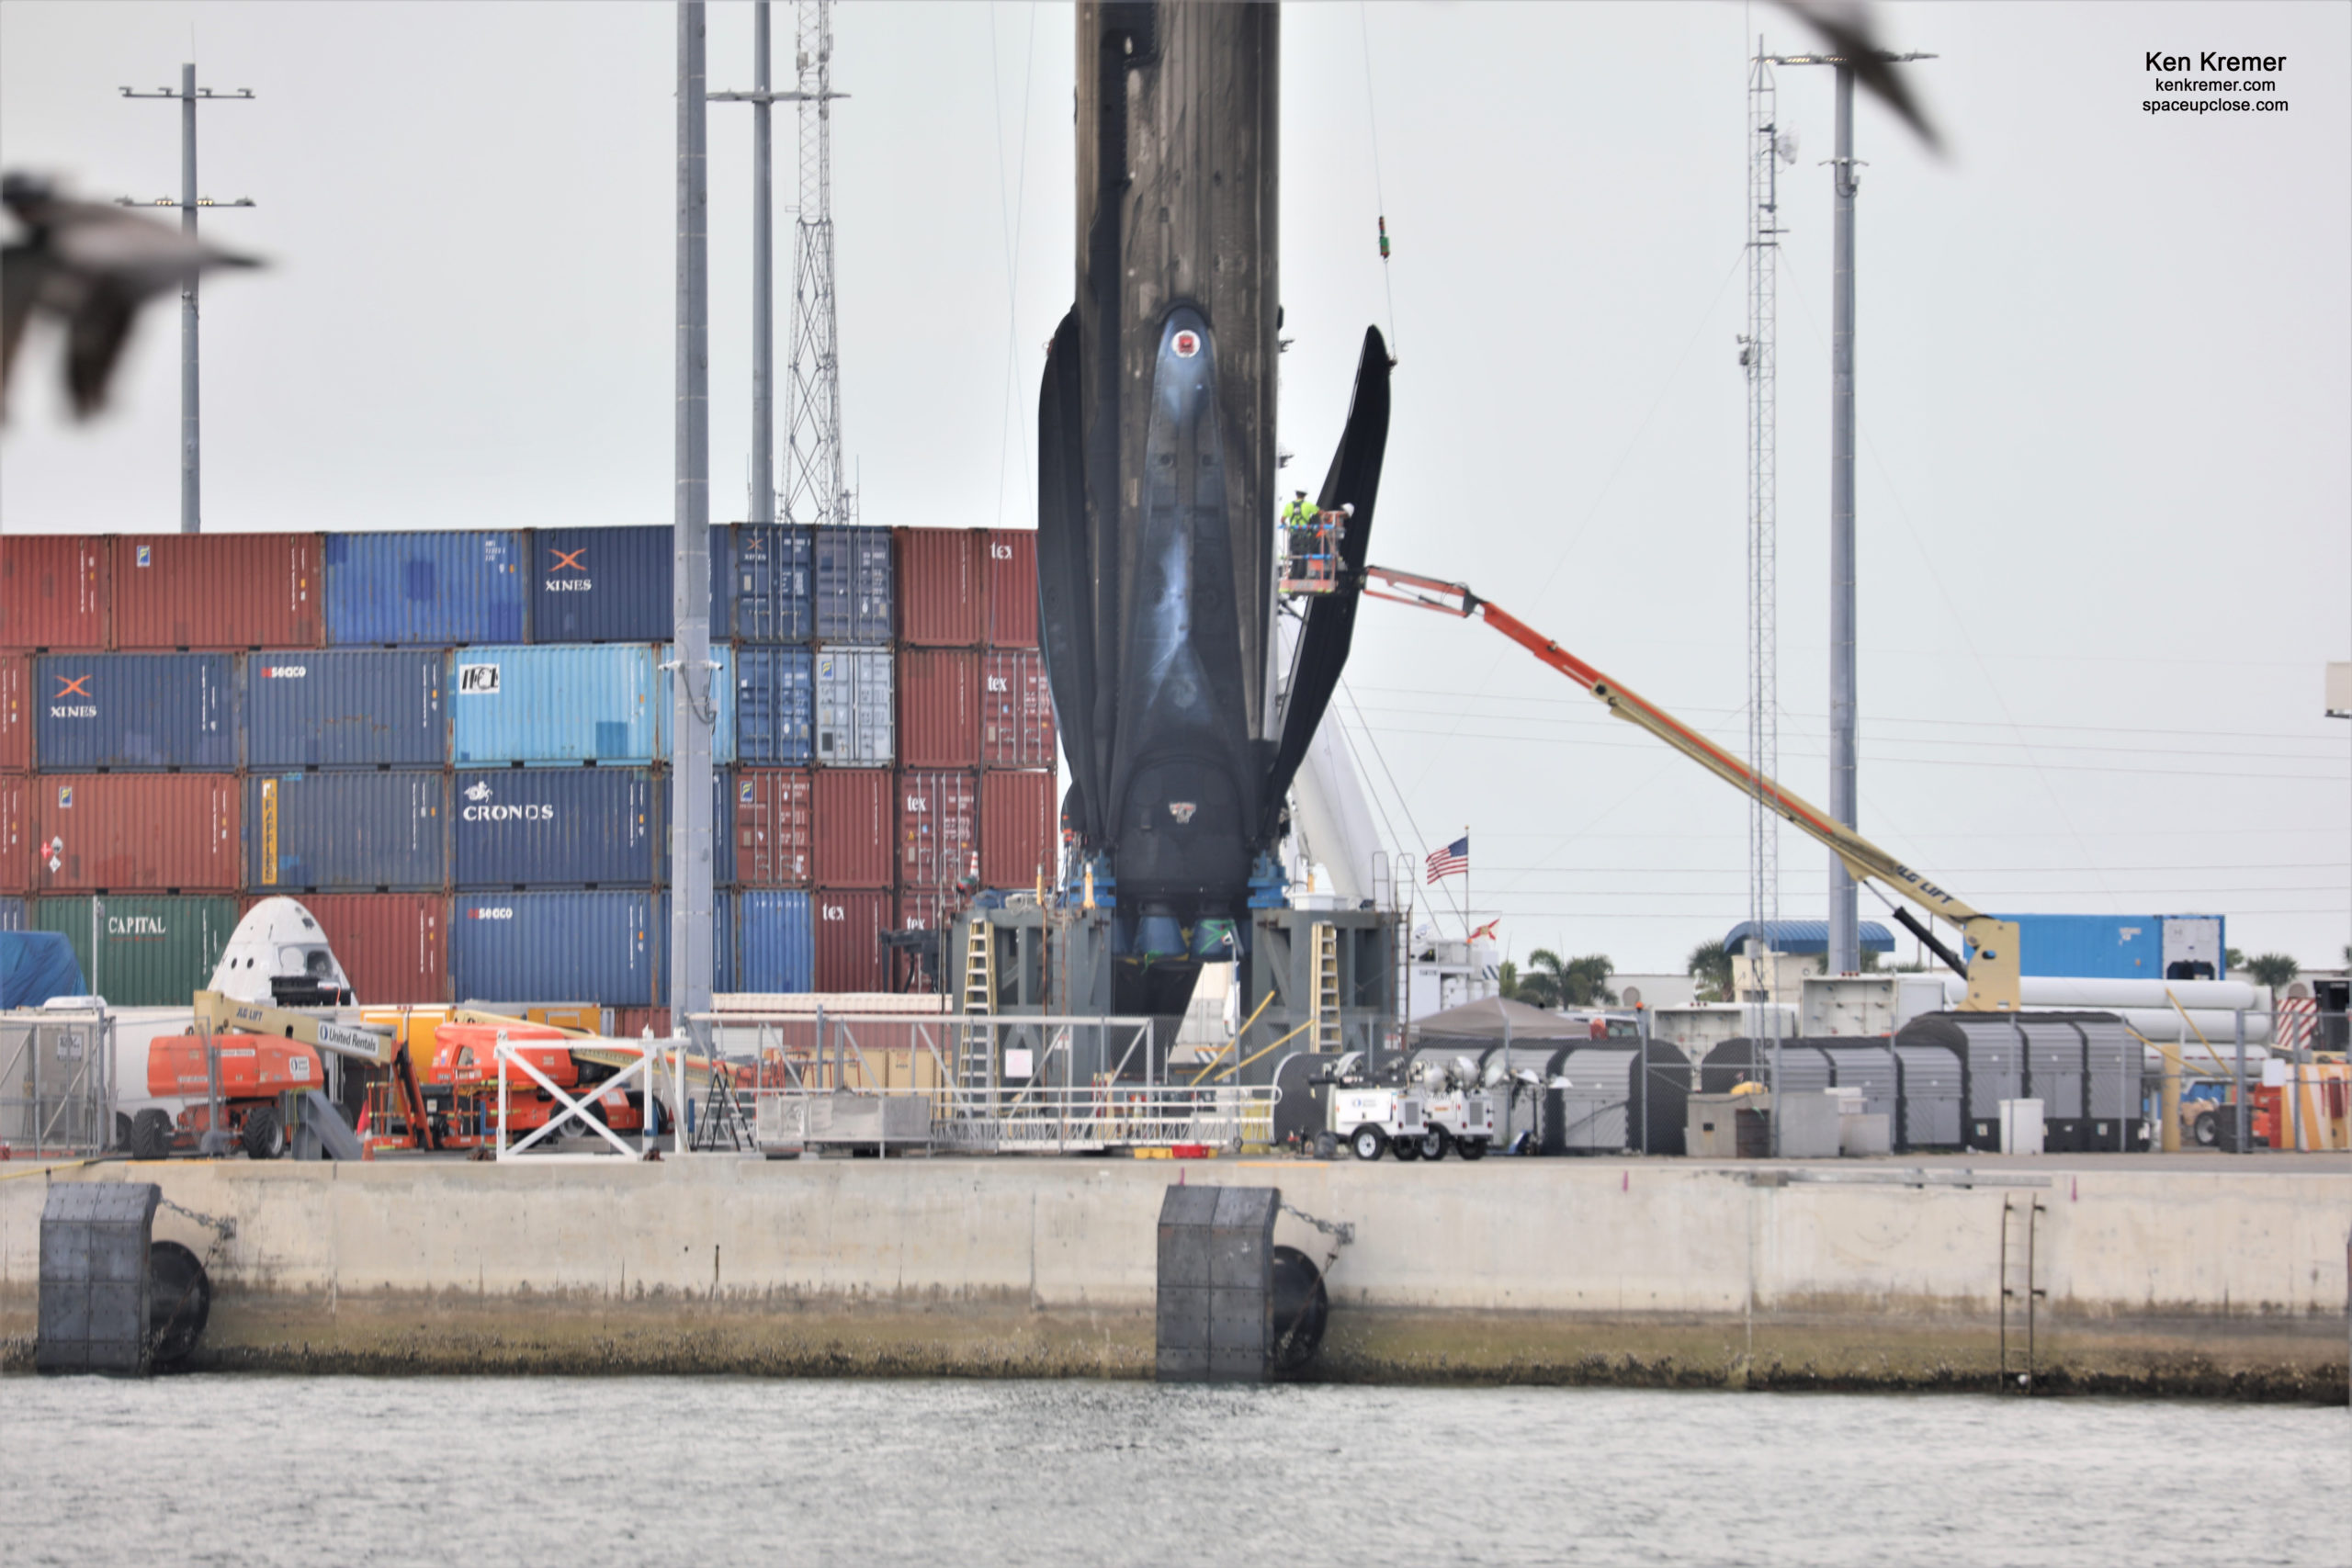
[1339, 1231]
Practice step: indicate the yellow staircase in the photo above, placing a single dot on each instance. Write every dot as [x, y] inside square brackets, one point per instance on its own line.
[1325, 1010]
[976, 1055]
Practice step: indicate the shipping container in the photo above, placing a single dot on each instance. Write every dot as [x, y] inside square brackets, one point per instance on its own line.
[555, 828]
[135, 710]
[1016, 711]
[857, 827]
[142, 951]
[15, 713]
[394, 947]
[850, 702]
[924, 909]
[767, 585]
[117, 831]
[525, 947]
[239, 590]
[772, 822]
[354, 707]
[2115, 947]
[721, 694]
[774, 705]
[52, 591]
[777, 944]
[346, 832]
[940, 601]
[1009, 571]
[852, 578]
[1018, 841]
[603, 585]
[939, 827]
[939, 715]
[16, 832]
[12, 914]
[554, 705]
[635, 1023]
[848, 926]
[430, 590]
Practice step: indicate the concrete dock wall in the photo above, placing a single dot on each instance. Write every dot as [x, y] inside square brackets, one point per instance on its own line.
[1639, 1271]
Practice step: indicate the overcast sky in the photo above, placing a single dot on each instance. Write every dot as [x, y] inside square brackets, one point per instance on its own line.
[2105, 382]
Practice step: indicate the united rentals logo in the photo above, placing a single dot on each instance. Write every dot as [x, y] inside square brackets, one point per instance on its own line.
[483, 811]
[569, 561]
[75, 686]
[478, 679]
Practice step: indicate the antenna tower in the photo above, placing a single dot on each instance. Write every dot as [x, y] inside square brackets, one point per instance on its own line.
[814, 483]
[1758, 354]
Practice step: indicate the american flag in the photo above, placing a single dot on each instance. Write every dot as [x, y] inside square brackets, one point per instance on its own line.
[1451, 861]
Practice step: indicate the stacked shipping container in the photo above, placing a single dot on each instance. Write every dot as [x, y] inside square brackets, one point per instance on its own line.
[453, 748]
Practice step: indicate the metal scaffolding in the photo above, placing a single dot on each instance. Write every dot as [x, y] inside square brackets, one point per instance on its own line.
[815, 488]
[1767, 148]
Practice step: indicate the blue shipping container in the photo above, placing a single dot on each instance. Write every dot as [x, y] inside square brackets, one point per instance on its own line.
[346, 832]
[775, 705]
[2113, 947]
[768, 581]
[346, 708]
[854, 585]
[427, 589]
[543, 947]
[136, 710]
[778, 943]
[602, 585]
[721, 691]
[12, 914]
[554, 828]
[553, 706]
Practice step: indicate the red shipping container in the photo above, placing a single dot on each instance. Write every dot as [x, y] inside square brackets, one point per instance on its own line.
[630, 1023]
[1016, 711]
[199, 590]
[16, 832]
[855, 819]
[114, 832]
[939, 708]
[1009, 573]
[938, 827]
[940, 602]
[926, 910]
[850, 923]
[394, 947]
[772, 822]
[1017, 838]
[52, 591]
[15, 713]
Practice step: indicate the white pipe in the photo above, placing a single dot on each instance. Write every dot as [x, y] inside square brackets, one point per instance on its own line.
[2223, 997]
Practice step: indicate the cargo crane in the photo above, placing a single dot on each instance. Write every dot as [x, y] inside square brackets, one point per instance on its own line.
[1991, 972]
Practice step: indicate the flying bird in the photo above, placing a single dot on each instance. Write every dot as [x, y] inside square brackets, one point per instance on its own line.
[1850, 30]
[91, 265]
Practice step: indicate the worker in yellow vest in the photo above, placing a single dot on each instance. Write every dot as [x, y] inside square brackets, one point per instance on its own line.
[1299, 521]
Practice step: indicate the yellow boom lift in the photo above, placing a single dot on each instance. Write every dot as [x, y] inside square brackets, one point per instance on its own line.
[1991, 972]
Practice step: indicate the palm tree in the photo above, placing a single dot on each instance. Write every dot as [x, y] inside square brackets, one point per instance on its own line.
[1544, 984]
[1507, 981]
[1586, 982]
[2275, 970]
[1709, 964]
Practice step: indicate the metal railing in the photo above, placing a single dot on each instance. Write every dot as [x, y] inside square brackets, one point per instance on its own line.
[1085, 1120]
[56, 1084]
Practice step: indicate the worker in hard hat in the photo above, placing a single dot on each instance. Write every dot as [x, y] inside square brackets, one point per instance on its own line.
[1298, 523]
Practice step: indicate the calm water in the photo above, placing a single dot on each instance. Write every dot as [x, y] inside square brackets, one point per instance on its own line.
[641, 1471]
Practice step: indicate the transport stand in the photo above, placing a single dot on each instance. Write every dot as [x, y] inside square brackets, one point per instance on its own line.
[579, 1109]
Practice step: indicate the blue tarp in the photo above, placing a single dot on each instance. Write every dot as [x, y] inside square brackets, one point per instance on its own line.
[35, 966]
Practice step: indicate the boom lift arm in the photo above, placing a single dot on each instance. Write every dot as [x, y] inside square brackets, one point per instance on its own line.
[1991, 974]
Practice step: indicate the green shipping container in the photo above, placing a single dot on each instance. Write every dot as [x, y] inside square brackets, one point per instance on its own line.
[151, 951]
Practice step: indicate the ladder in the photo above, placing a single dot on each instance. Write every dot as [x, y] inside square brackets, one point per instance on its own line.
[1325, 1010]
[723, 1115]
[2021, 1228]
[976, 1047]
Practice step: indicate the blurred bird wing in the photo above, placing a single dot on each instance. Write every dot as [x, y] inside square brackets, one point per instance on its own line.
[137, 255]
[20, 286]
[93, 341]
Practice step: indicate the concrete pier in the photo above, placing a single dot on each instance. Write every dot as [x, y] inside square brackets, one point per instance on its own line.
[2202, 1277]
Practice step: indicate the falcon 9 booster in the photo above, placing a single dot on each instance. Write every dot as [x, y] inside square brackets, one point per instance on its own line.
[1158, 581]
